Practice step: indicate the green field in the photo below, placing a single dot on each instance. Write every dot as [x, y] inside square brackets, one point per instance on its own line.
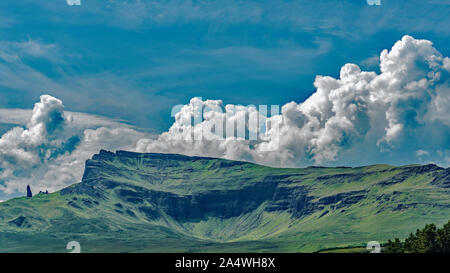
[129, 202]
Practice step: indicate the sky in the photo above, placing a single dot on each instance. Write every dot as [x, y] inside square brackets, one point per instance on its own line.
[107, 74]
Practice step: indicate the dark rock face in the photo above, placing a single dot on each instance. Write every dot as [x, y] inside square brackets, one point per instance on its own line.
[84, 189]
[442, 179]
[29, 193]
[20, 221]
[341, 177]
[73, 204]
[222, 204]
[277, 191]
[404, 206]
[150, 212]
[345, 199]
[423, 168]
[292, 199]
[218, 165]
[412, 170]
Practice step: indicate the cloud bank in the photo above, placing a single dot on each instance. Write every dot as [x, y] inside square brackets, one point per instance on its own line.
[49, 150]
[399, 116]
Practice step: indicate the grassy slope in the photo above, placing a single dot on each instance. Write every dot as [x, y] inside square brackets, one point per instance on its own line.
[387, 211]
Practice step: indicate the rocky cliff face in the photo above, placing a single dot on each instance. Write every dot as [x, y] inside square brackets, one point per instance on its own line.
[194, 188]
[278, 192]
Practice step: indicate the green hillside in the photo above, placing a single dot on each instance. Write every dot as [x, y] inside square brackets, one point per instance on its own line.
[130, 202]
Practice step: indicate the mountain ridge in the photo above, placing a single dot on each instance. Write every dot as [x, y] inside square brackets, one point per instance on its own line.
[209, 204]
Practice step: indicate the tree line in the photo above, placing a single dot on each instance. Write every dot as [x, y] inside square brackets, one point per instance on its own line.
[430, 239]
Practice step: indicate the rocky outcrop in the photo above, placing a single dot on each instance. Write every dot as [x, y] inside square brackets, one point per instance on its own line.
[29, 193]
[442, 179]
[21, 222]
[295, 200]
[343, 199]
[222, 204]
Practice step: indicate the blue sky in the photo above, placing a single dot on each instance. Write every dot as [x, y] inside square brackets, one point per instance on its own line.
[104, 55]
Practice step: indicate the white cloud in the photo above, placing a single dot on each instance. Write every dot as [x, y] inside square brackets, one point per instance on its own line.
[372, 61]
[15, 51]
[50, 146]
[78, 119]
[349, 18]
[422, 153]
[360, 118]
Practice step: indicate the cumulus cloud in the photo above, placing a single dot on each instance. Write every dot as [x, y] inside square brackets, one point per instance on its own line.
[361, 118]
[48, 148]
[397, 116]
